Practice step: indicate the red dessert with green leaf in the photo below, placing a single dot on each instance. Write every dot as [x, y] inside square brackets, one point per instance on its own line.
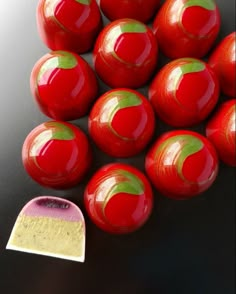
[125, 54]
[63, 85]
[184, 92]
[182, 164]
[142, 10]
[221, 131]
[121, 122]
[118, 198]
[56, 154]
[69, 24]
[223, 62]
[187, 28]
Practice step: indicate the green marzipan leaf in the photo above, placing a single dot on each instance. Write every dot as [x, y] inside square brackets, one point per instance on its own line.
[133, 27]
[131, 185]
[86, 2]
[62, 132]
[126, 99]
[64, 60]
[207, 4]
[125, 187]
[192, 66]
[189, 146]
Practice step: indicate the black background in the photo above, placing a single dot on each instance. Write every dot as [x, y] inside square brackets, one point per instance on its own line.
[185, 247]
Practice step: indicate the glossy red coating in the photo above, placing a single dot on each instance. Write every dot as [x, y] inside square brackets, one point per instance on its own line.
[184, 92]
[68, 24]
[142, 10]
[182, 164]
[56, 154]
[125, 54]
[63, 85]
[221, 131]
[223, 62]
[187, 28]
[118, 198]
[122, 122]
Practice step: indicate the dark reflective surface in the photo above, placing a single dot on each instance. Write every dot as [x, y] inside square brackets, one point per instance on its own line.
[186, 247]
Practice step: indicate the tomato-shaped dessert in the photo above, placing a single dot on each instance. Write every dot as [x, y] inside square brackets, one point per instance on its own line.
[69, 24]
[184, 92]
[223, 62]
[187, 28]
[125, 54]
[63, 85]
[56, 154]
[221, 131]
[181, 164]
[142, 10]
[122, 122]
[118, 198]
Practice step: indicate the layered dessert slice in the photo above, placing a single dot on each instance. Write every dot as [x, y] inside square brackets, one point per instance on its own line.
[50, 226]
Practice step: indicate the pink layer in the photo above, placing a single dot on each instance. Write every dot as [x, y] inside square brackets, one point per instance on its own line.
[54, 207]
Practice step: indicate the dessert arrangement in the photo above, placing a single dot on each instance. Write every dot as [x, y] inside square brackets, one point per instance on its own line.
[183, 92]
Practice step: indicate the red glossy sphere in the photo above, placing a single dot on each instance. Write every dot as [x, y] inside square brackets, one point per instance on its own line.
[56, 154]
[186, 28]
[142, 10]
[118, 198]
[182, 164]
[221, 131]
[184, 92]
[63, 85]
[125, 54]
[223, 62]
[122, 122]
[69, 24]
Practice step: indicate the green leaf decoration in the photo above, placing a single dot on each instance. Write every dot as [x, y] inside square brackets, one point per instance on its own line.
[192, 65]
[189, 146]
[125, 187]
[133, 27]
[129, 183]
[125, 99]
[85, 2]
[63, 60]
[62, 131]
[207, 4]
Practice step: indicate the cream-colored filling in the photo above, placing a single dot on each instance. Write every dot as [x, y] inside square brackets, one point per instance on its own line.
[48, 235]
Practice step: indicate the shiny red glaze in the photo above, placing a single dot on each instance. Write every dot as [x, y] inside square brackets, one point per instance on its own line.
[221, 131]
[118, 198]
[182, 164]
[184, 92]
[69, 24]
[185, 28]
[223, 62]
[56, 154]
[121, 122]
[142, 10]
[63, 85]
[125, 54]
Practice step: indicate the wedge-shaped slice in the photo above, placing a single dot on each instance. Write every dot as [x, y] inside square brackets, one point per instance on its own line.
[50, 226]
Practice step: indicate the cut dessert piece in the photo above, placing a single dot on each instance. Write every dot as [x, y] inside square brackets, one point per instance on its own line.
[50, 226]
